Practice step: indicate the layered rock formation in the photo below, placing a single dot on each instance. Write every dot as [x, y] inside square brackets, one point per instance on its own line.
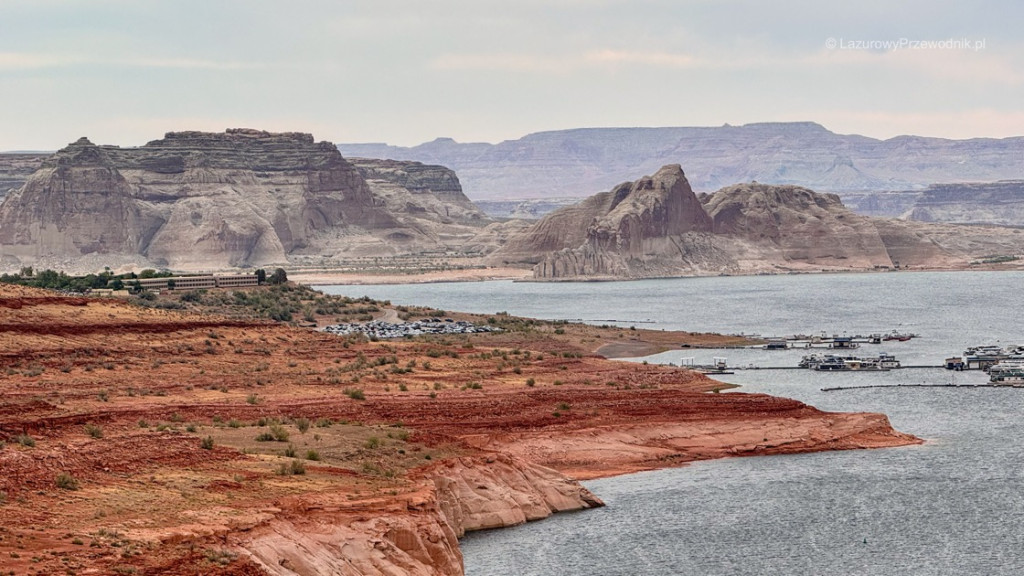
[16, 167]
[972, 203]
[417, 534]
[577, 162]
[196, 200]
[418, 188]
[658, 227]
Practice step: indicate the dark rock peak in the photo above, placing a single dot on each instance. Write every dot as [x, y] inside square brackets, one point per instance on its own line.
[239, 148]
[237, 134]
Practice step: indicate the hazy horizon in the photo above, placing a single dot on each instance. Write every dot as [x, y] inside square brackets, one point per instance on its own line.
[404, 73]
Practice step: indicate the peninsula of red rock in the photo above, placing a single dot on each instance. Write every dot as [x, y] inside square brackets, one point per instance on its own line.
[160, 441]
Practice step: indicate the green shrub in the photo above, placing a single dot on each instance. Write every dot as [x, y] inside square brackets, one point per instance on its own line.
[93, 431]
[206, 443]
[290, 451]
[66, 481]
[355, 393]
[25, 440]
[312, 455]
[302, 424]
[296, 468]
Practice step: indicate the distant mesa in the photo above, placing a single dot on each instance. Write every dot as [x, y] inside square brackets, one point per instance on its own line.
[579, 162]
[200, 200]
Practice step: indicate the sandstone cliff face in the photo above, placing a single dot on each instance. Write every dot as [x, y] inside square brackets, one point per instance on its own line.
[415, 535]
[798, 225]
[191, 200]
[657, 227]
[196, 200]
[416, 188]
[500, 490]
[617, 233]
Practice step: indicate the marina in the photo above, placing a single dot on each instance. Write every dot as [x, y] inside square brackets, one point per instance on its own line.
[833, 341]
[984, 357]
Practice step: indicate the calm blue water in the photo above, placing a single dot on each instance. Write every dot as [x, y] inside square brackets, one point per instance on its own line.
[952, 506]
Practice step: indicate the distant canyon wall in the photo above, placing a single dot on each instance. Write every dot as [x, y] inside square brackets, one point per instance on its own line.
[580, 162]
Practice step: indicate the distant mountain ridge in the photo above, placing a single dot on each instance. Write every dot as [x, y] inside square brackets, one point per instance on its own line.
[583, 161]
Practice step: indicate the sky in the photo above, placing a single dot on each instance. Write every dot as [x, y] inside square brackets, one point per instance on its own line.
[404, 72]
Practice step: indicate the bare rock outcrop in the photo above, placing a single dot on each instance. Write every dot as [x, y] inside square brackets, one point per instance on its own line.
[190, 200]
[656, 226]
[622, 232]
[198, 200]
[420, 189]
[415, 534]
[500, 490]
[797, 225]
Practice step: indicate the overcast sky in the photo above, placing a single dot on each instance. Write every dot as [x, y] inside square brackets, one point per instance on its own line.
[404, 72]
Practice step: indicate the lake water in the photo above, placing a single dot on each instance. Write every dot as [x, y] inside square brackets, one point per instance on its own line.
[952, 506]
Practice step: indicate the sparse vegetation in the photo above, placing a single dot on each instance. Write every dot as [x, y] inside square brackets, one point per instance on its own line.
[66, 481]
[206, 443]
[277, 433]
[296, 468]
[93, 431]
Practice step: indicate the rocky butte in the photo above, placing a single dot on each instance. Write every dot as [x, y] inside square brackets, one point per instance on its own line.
[657, 226]
[197, 200]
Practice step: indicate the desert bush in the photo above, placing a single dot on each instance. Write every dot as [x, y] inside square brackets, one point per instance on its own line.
[93, 431]
[206, 443]
[66, 481]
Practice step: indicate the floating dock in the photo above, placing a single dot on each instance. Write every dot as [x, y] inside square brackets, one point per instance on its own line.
[947, 385]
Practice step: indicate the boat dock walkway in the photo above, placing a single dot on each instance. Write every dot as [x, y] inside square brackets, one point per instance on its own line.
[947, 385]
[917, 367]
